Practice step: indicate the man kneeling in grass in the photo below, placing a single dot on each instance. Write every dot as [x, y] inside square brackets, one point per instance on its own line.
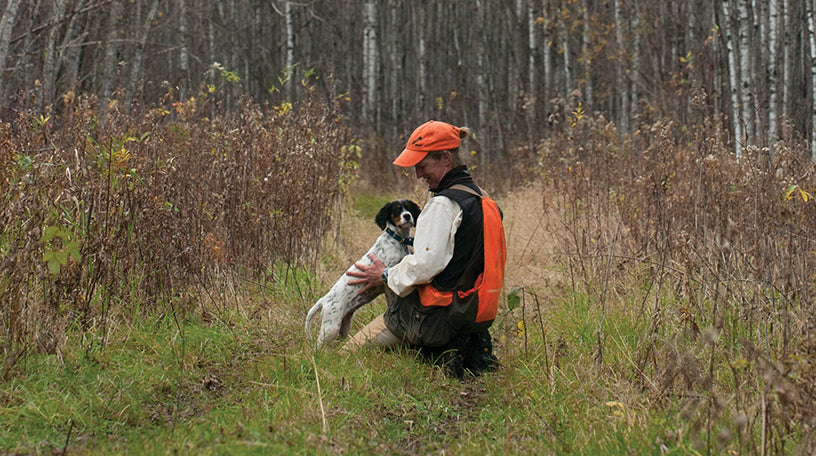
[442, 298]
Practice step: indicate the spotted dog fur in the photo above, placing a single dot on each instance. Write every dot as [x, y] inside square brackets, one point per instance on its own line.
[342, 301]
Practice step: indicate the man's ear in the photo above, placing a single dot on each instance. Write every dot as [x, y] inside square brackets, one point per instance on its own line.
[447, 158]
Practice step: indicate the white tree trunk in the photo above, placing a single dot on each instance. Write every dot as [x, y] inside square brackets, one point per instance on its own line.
[811, 30]
[548, 62]
[421, 108]
[787, 60]
[586, 50]
[515, 77]
[51, 61]
[481, 81]
[111, 47]
[762, 70]
[636, 62]
[564, 37]
[234, 57]
[69, 53]
[620, 70]
[184, 52]
[136, 67]
[532, 88]
[732, 47]
[290, 52]
[774, 42]
[370, 65]
[392, 53]
[746, 56]
[6, 28]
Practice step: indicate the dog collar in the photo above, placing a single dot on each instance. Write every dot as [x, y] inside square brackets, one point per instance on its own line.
[409, 240]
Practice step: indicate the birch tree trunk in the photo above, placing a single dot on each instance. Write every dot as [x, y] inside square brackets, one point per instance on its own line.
[394, 80]
[481, 81]
[421, 73]
[111, 50]
[637, 58]
[290, 52]
[6, 28]
[515, 42]
[745, 21]
[563, 36]
[811, 31]
[787, 60]
[370, 69]
[462, 74]
[138, 58]
[69, 54]
[184, 52]
[501, 63]
[532, 88]
[50, 62]
[775, 68]
[733, 27]
[620, 70]
[586, 50]
[759, 69]
[548, 60]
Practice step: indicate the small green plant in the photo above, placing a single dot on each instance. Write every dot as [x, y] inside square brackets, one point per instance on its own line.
[24, 161]
[577, 115]
[797, 190]
[59, 244]
[40, 121]
[227, 75]
[283, 79]
[350, 164]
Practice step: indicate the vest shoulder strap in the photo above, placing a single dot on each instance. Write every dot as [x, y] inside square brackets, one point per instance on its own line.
[465, 188]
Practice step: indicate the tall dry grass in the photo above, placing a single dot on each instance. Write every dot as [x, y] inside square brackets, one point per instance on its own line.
[108, 212]
[715, 255]
[114, 210]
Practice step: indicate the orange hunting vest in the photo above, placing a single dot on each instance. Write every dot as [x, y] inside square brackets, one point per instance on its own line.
[489, 283]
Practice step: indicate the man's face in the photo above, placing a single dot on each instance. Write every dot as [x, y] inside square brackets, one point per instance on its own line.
[432, 170]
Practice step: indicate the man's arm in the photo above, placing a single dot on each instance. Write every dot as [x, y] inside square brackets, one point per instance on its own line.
[433, 249]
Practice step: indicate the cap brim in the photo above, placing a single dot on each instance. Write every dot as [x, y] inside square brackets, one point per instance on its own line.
[409, 158]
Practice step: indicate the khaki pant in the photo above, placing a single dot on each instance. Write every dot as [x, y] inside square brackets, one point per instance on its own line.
[374, 334]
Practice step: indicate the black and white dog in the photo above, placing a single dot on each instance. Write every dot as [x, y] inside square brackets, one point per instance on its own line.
[342, 301]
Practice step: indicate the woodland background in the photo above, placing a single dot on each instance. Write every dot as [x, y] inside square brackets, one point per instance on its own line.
[507, 69]
[182, 180]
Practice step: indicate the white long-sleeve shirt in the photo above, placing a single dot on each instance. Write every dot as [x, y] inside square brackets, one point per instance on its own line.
[433, 246]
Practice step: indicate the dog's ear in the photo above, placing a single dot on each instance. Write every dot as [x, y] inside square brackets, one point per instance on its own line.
[413, 209]
[384, 215]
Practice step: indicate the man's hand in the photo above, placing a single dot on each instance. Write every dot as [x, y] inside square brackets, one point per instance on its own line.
[369, 276]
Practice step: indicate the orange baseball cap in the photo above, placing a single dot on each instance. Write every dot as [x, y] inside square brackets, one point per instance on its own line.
[430, 136]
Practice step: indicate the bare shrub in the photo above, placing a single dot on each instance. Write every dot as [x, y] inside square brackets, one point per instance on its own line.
[721, 249]
[113, 210]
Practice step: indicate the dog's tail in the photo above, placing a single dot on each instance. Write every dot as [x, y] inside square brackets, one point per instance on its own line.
[315, 308]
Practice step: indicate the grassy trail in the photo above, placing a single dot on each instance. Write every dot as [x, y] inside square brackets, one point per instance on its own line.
[237, 376]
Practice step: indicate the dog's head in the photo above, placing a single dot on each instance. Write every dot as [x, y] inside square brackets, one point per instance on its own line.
[401, 213]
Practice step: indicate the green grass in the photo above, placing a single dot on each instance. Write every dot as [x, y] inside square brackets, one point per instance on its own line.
[204, 387]
[235, 385]
[234, 374]
[368, 204]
